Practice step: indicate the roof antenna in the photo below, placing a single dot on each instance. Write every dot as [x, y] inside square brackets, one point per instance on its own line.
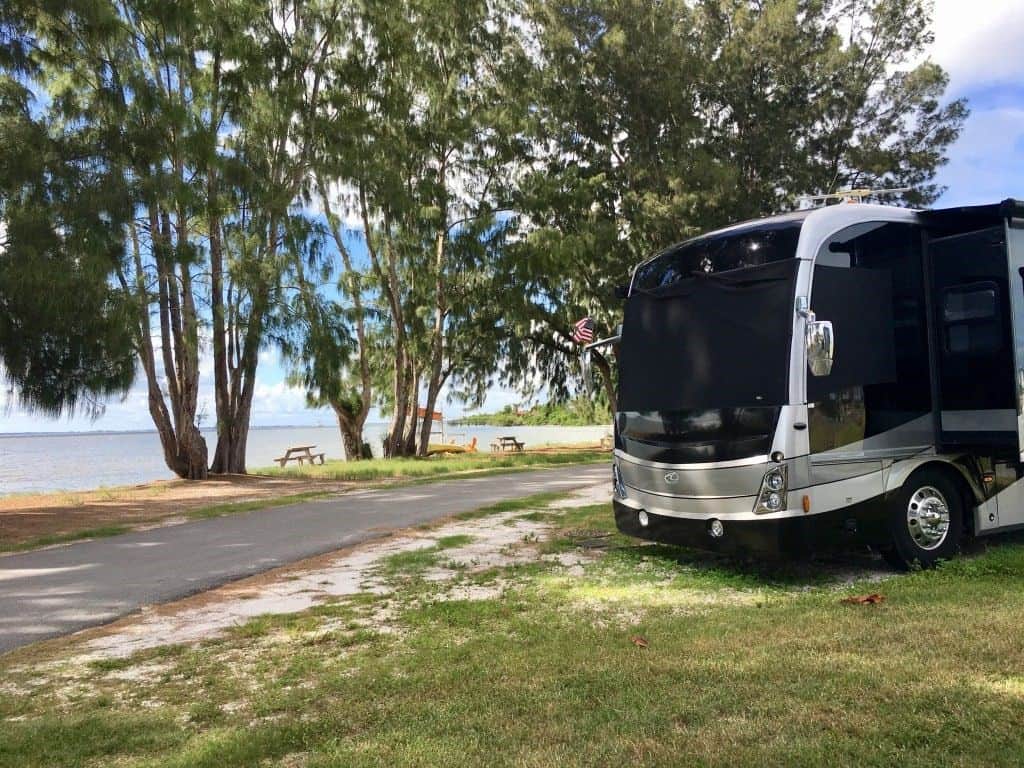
[848, 196]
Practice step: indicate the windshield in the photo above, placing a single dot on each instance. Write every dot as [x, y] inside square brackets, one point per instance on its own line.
[705, 349]
[735, 248]
[714, 341]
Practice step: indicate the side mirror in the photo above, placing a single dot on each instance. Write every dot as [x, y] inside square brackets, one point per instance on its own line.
[621, 291]
[820, 347]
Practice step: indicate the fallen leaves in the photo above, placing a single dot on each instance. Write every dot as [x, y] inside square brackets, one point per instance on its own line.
[871, 599]
[639, 641]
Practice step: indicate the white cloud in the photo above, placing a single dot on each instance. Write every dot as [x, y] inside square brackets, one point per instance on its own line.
[980, 42]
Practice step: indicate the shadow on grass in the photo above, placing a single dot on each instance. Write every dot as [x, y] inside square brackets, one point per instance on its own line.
[593, 527]
[759, 572]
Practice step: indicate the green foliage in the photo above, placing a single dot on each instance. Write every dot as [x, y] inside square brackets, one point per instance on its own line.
[504, 162]
[574, 413]
[63, 328]
[653, 122]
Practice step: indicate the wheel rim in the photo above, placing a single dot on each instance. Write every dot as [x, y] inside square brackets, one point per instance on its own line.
[928, 517]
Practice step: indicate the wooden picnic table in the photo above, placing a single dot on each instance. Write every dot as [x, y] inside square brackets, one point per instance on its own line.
[301, 454]
[507, 443]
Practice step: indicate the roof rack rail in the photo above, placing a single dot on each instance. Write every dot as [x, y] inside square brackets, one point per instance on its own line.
[850, 195]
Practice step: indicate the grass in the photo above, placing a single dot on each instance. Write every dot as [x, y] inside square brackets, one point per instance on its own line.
[64, 538]
[412, 468]
[747, 665]
[237, 507]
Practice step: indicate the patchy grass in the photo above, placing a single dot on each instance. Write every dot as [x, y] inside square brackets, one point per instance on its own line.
[65, 538]
[435, 466]
[237, 507]
[513, 505]
[747, 665]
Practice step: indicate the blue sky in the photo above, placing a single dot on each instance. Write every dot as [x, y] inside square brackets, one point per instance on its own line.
[980, 44]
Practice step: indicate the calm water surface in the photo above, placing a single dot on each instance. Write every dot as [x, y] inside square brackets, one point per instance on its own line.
[85, 460]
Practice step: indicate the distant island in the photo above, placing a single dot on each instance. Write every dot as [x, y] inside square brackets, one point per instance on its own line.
[575, 413]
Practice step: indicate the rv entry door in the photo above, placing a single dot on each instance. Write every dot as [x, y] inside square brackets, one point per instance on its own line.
[975, 266]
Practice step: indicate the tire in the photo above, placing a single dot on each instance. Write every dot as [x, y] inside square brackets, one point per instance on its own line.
[925, 520]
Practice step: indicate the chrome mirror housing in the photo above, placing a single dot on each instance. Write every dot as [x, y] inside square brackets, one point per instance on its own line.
[820, 347]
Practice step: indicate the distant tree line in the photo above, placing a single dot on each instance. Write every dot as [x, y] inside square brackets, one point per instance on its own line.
[405, 197]
[577, 412]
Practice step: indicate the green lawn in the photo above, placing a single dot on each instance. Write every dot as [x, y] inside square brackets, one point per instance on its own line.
[746, 665]
[435, 466]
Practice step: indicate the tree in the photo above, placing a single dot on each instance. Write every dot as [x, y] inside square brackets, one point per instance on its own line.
[279, 55]
[63, 339]
[418, 137]
[656, 121]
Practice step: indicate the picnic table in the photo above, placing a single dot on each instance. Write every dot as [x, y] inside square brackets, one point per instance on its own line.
[301, 454]
[507, 443]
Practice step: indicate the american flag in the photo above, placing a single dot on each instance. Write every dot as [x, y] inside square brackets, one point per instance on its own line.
[583, 331]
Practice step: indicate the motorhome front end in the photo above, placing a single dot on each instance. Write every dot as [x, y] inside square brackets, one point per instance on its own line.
[850, 374]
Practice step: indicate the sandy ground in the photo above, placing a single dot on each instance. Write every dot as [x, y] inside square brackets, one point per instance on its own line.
[28, 517]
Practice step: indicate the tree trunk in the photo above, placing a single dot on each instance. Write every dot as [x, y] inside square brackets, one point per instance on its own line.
[409, 441]
[183, 445]
[356, 420]
[351, 434]
[436, 338]
[234, 410]
[602, 364]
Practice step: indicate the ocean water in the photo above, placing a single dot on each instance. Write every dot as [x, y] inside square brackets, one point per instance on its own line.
[35, 463]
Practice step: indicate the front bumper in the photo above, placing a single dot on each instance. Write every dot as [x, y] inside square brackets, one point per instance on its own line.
[780, 537]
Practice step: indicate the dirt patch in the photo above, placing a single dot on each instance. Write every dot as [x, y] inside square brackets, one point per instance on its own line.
[493, 542]
[27, 518]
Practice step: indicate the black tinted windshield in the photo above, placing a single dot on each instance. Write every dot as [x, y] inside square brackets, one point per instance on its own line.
[710, 341]
[736, 248]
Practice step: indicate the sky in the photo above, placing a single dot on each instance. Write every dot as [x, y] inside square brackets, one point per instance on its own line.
[979, 43]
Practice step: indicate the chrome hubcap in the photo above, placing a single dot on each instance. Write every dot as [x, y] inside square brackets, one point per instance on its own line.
[928, 517]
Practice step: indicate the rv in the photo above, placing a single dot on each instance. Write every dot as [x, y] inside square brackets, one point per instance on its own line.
[847, 375]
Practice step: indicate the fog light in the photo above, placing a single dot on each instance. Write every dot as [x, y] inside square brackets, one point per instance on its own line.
[773, 501]
[716, 529]
[642, 518]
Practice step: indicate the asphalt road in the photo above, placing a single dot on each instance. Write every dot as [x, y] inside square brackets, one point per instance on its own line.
[55, 591]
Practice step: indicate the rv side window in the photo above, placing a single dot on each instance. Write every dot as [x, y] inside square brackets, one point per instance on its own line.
[971, 317]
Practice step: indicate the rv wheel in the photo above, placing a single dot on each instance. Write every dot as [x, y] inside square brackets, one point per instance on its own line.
[925, 520]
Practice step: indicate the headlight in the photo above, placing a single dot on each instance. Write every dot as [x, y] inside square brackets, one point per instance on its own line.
[772, 496]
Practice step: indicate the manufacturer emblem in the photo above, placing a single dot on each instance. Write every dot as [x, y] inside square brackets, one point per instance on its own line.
[672, 477]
